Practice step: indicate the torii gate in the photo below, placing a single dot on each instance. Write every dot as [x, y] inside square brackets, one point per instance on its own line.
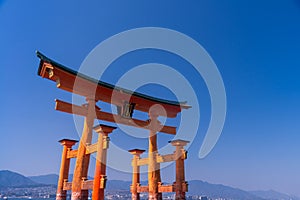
[126, 102]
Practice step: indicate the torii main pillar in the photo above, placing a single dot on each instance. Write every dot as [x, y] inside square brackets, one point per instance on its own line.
[82, 161]
[153, 167]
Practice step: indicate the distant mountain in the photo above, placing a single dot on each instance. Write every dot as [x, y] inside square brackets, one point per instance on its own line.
[116, 185]
[50, 179]
[12, 179]
[197, 187]
[200, 188]
[273, 195]
[71, 177]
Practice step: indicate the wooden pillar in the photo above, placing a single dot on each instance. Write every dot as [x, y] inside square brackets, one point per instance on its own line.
[100, 169]
[82, 160]
[180, 155]
[136, 173]
[61, 194]
[153, 166]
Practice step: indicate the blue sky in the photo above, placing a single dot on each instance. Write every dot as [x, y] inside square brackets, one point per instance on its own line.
[255, 44]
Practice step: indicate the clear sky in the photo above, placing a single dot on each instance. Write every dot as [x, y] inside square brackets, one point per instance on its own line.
[255, 44]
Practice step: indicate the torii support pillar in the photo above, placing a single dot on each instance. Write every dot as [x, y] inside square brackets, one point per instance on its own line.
[61, 194]
[180, 156]
[82, 161]
[100, 169]
[136, 173]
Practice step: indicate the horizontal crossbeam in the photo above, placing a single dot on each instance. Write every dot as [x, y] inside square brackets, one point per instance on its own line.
[72, 154]
[159, 159]
[161, 188]
[81, 110]
[142, 161]
[85, 185]
[165, 158]
[91, 148]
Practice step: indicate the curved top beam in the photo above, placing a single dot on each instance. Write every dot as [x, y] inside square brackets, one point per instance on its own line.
[65, 79]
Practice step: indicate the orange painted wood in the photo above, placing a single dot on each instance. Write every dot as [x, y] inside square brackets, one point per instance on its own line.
[80, 110]
[61, 194]
[67, 185]
[87, 185]
[135, 173]
[82, 160]
[180, 155]
[143, 161]
[72, 154]
[101, 157]
[153, 168]
[98, 194]
[141, 189]
[165, 188]
[88, 88]
[91, 148]
[165, 158]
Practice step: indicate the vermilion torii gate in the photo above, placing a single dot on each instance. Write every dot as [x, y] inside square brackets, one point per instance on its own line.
[126, 102]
